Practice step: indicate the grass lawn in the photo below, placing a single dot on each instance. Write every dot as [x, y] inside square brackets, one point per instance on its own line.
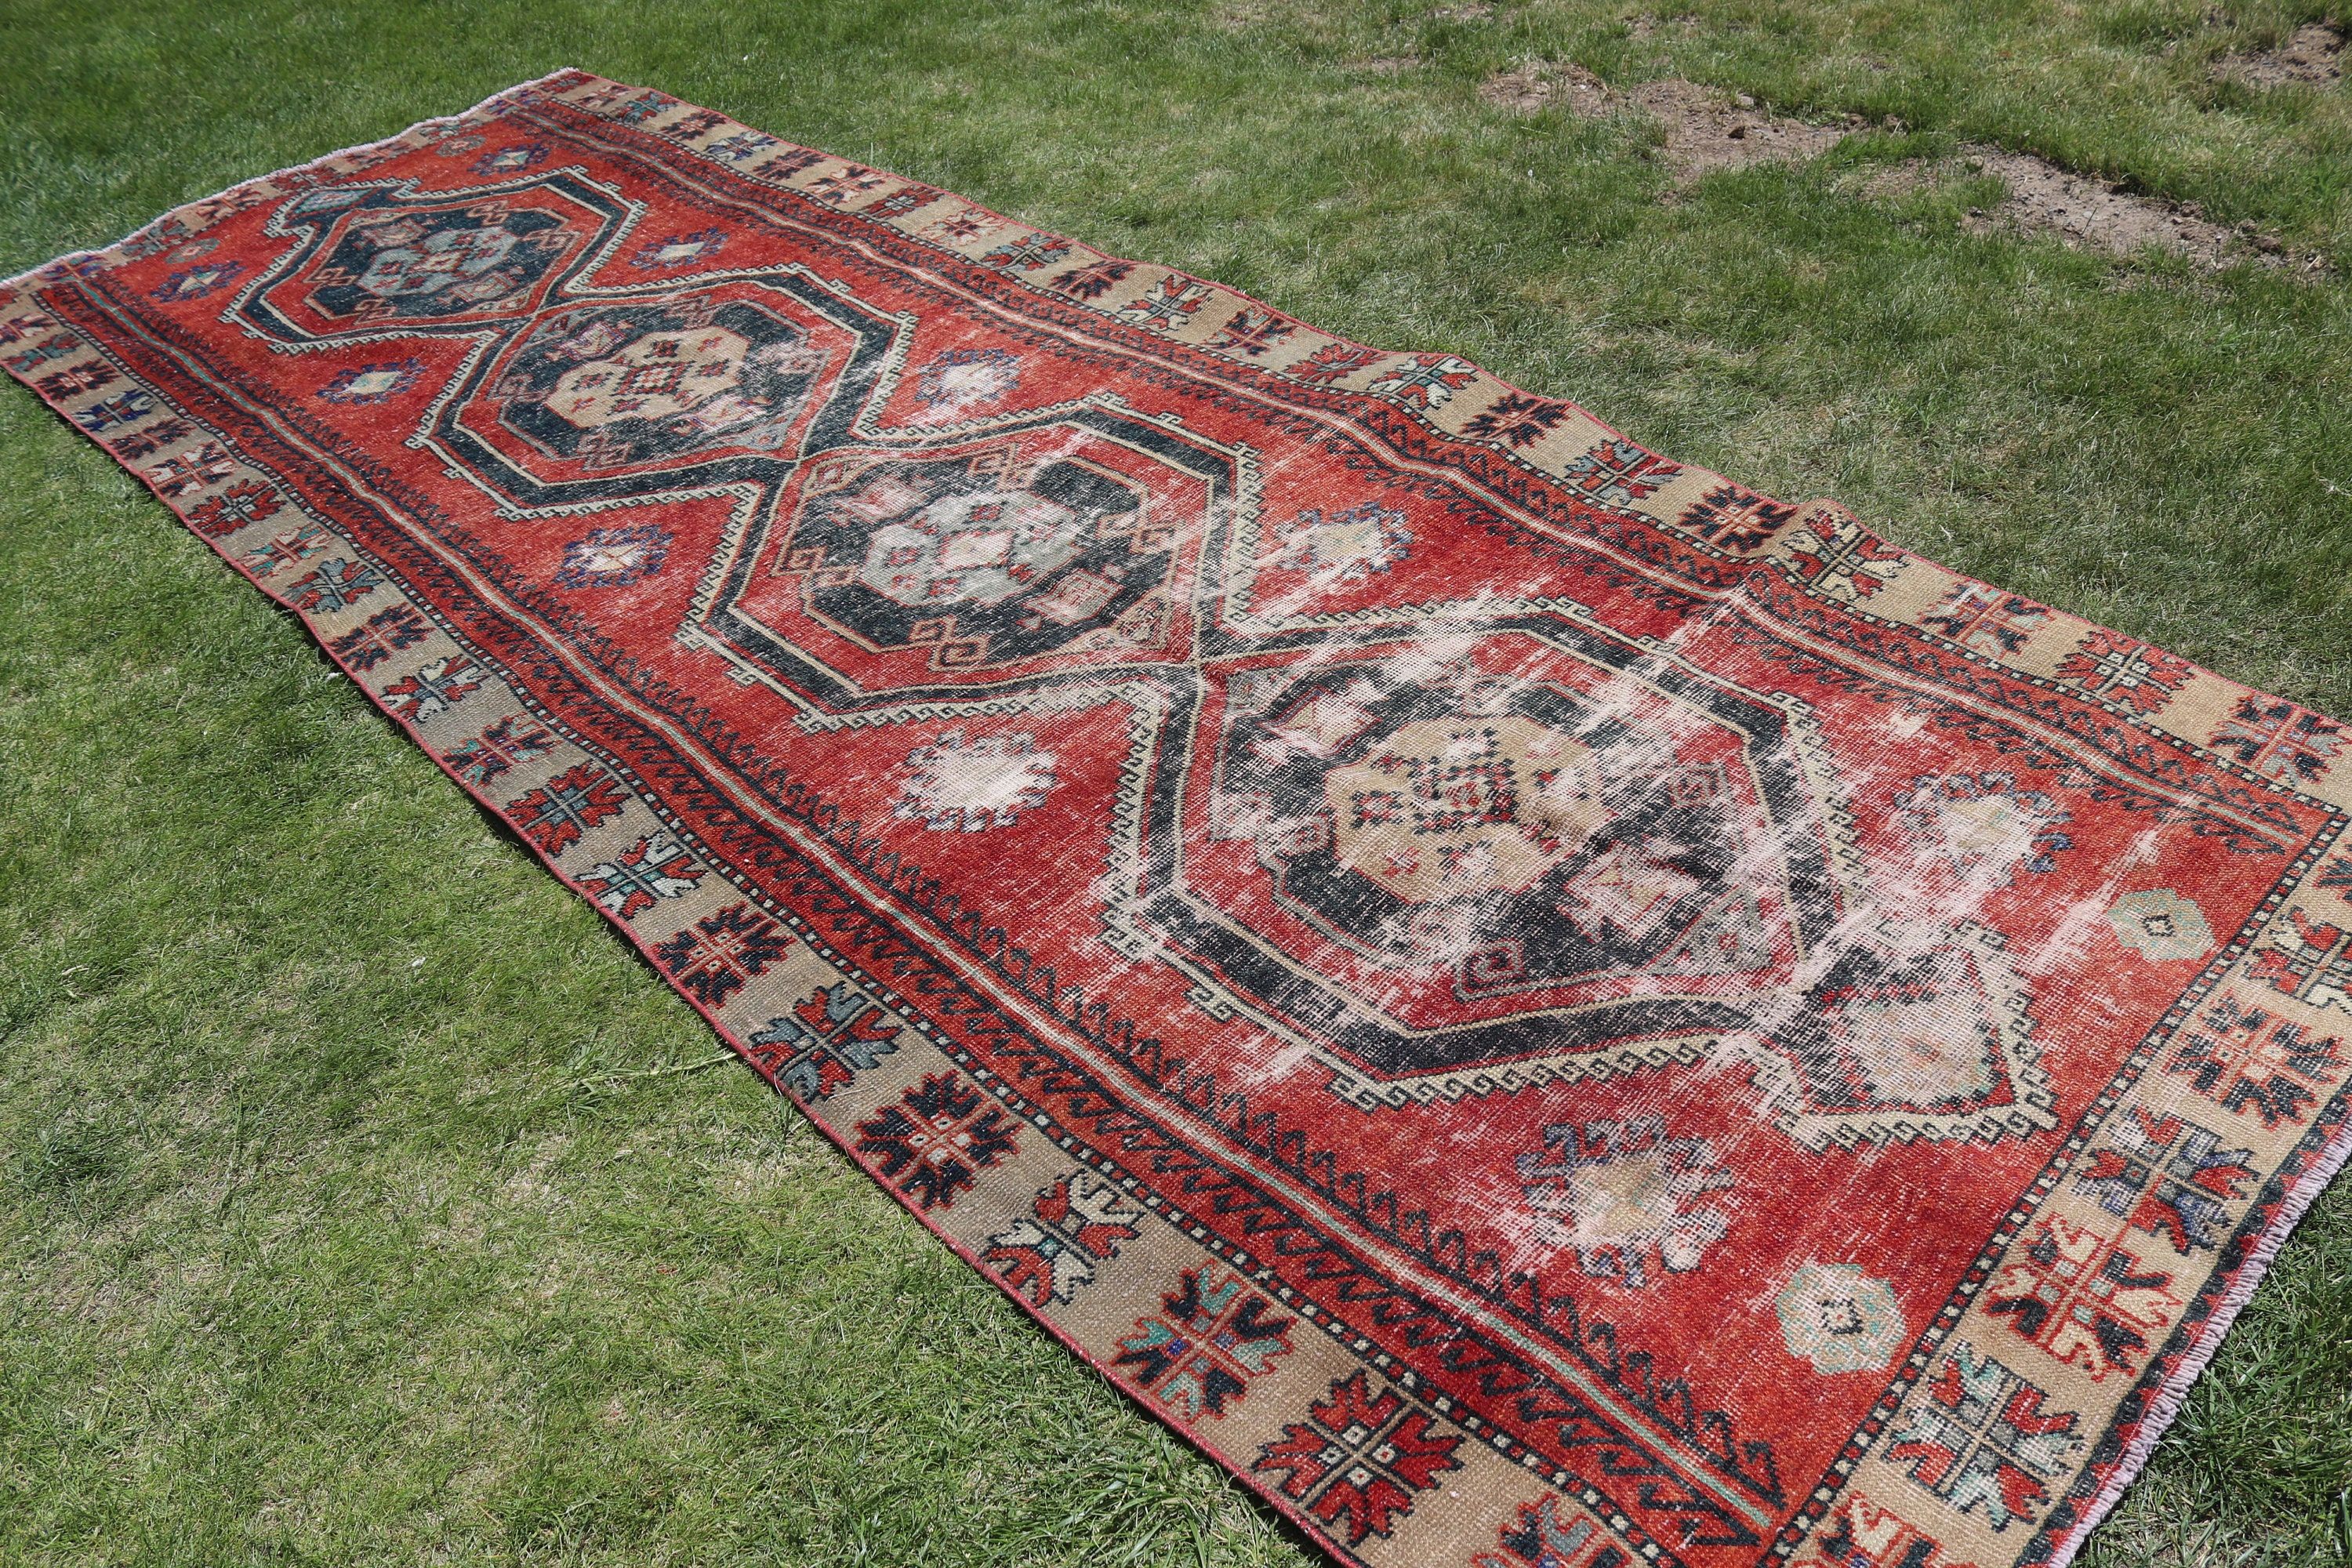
[349, 1209]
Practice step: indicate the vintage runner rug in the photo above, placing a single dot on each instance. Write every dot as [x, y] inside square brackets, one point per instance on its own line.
[1545, 1008]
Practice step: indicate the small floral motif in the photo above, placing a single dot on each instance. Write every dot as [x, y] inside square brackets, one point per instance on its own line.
[195, 283]
[1986, 619]
[1092, 280]
[1549, 1534]
[1334, 361]
[679, 250]
[2084, 1298]
[107, 413]
[1834, 556]
[1516, 419]
[717, 955]
[1859, 1534]
[384, 634]
[1028, 253]
[2252, 1063]
[438, 686]
[2279, 739]
[845, 186]
[373, 382]
[554, 816]
[2169, 1176]
[1172, 301]
[2161, 925]
[233, 508]
[75, 380]
[1426, 381]
[199, 468]
[1364, 541]
[968, 785]
[835, 1033]
[25, 360]
[1839, 1318]
[958, 378]
[1212, 1336]
[654, 867]
[512, 160]
[1252, 332]
[1618, 473]
[2311, 961]
[289, 547]
[335, 585]
[902, 201]
[501, 747]
[1735, 518]
[1984, 1439]
[1076, 1222]
[614, 557]
[741, 147]
[1359, 1460]
[146, 443]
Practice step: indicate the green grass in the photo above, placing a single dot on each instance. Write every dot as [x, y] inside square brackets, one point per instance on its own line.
[329, 1230]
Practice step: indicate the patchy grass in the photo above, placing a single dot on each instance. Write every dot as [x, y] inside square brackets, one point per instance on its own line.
[328, 1232]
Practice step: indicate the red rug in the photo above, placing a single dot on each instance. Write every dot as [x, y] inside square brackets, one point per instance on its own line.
[1545, 1008]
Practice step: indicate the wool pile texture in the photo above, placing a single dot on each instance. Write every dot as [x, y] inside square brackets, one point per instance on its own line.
[1545, 1008]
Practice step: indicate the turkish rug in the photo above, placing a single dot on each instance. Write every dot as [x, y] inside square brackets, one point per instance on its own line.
[1547, 1009]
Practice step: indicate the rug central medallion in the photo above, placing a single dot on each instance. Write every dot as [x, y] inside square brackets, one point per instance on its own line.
[659, 382]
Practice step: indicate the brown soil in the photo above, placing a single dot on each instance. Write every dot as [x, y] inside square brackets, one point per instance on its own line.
[2086, 213]
[1705, 130]
[2090, 215]
[2314, 57]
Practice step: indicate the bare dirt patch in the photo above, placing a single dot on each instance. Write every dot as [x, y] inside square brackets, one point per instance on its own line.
[2314, 57]
[2086, 212]
[1705, 129]
[2090, 215]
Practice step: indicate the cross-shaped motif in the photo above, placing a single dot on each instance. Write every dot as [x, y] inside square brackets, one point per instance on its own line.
[2312, 963]
[555, 814]
[1357, 1461]
[2167, 1176]
[2080, 1296]
[1210, 1337]
[1976, 1434]
[714, 957]
[835, 1033]
[2244, 1061]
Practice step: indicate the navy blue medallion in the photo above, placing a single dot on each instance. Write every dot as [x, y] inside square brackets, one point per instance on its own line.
[392, 259]
[413, 265]
[653, 381]
[986, 557]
